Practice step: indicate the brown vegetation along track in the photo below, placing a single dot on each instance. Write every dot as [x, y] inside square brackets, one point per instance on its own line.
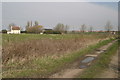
[34, 48]
[75, 70]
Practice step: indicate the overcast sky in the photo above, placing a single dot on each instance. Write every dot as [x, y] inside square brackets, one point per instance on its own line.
[59, 0]
[49, 14]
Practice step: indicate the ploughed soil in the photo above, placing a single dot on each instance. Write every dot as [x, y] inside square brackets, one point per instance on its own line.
[75, 69]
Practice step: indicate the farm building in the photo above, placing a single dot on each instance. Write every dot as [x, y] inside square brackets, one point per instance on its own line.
[14, 30]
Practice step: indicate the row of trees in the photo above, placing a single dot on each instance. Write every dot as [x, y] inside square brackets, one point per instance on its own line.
[59, 28]
[64, 28]
[108, 27]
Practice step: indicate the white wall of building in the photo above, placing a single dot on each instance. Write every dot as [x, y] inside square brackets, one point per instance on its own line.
[14, 32]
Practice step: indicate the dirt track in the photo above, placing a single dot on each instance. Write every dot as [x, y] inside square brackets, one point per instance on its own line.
[74, 70]
[112, 71]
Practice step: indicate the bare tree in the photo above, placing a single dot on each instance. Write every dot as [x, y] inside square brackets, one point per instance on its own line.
[83, 28]
[66, 28]
[28, 25]
[61, 28]
[108, 26]
[91, 29]
[36, 23]
[31, 23]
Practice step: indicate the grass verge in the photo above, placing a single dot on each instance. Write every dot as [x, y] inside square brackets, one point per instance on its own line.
[100, 65]
[43, 67]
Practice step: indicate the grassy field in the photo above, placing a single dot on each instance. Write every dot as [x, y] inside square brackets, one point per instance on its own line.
[37, 55]
[8, 38]
[101, 64]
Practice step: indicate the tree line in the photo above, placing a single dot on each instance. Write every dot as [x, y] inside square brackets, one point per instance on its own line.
[58, 29]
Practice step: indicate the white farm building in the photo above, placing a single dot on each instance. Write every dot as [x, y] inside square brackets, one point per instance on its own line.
[14, 30]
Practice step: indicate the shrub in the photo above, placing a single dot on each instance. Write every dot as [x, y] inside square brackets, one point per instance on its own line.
[23, 31]
[4, 31]
[52, 32]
